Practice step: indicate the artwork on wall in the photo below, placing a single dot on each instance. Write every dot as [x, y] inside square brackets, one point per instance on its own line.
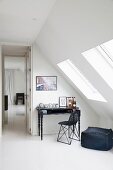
[46, 83]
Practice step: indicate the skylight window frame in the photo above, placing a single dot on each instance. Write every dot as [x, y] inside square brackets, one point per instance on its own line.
[104, 60]
[105, 55]
[108, 48]
[83, 84]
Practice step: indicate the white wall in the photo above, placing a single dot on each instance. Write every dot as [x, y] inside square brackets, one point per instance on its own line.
[42, 67]
[0, 92]
[14, 63]
[19, 81]
[73, 27]
[76, 26]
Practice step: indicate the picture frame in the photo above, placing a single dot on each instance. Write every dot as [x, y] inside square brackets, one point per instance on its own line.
[71, 102]
[62, 101]
[46, 83]
[68, 100]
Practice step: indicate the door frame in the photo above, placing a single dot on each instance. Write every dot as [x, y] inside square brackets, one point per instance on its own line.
[28, 57]
[2, 82]
[1, 103]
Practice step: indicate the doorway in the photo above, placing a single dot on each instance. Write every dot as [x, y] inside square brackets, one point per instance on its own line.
[17, 113]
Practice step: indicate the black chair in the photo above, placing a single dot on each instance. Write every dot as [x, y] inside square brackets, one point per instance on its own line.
[69, 129]
[19, 98]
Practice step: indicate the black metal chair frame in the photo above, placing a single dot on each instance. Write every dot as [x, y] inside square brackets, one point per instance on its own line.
[69, 129]
[20, 97]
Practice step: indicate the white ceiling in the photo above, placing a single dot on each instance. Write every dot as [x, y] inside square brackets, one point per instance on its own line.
[21, 20]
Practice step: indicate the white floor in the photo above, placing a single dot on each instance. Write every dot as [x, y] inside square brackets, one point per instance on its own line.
[19, 151]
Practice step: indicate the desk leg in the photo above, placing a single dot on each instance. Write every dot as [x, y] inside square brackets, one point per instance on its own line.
[41, 126]
[39, 123]
[79, 128]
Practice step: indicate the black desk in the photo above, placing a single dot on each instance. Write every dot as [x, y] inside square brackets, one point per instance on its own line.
[50, 111]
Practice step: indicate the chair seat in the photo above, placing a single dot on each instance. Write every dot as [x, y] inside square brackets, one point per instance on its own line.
[66, 123]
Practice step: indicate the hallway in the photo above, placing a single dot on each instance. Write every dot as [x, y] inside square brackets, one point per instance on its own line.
[16, 118]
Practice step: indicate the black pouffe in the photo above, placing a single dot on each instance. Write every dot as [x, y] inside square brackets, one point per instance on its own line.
[97, 138]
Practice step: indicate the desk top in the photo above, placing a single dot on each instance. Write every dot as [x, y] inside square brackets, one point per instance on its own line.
[54, 108]
[58, 110]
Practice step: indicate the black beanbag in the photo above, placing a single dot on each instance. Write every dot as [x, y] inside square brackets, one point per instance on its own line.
[97, 138]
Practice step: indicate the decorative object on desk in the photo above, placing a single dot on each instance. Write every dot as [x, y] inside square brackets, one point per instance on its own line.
[74, 102]
[50, 105]
[56, 105]
[46, 83]
[71, 102]
[46, 105]
[41, 105]
[62, 101]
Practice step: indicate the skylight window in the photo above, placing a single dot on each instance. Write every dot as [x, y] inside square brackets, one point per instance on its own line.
[108, 48]
[80, 81]
[102, 62]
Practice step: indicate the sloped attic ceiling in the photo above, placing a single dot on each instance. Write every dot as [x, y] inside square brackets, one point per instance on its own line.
[73, 27]
[21, 21]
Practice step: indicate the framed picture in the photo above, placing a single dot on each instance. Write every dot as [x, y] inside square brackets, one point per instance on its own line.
[69, 101]
[46, 83]
[62, 101]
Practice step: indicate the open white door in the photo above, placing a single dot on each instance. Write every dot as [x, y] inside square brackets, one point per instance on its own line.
[0, 91]
[28, 90]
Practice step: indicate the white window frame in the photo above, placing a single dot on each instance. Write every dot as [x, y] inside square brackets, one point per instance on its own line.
[80, 81]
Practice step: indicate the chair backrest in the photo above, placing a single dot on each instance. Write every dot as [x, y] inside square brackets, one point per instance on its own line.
[20, 94]
[74, 117]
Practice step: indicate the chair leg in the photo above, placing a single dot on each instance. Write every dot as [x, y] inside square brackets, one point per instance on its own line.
[64, 132]
[74, 134]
